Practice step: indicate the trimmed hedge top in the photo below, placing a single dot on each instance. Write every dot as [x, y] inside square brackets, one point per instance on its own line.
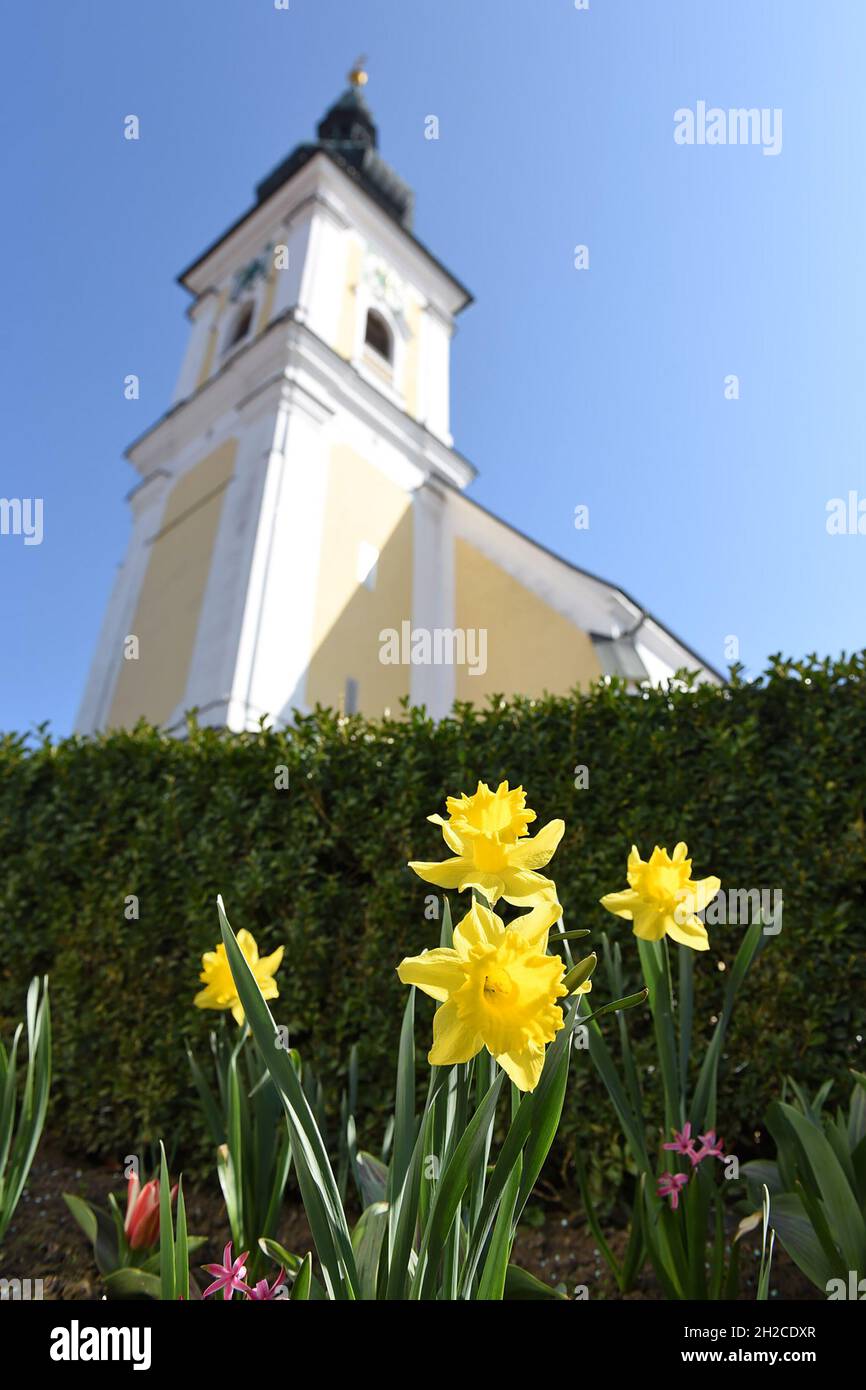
[763, 779]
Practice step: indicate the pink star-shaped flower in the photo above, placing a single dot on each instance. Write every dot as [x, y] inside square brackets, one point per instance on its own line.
[683, 1143]
[711, 1147]
[262, 1290]
[669, 1184]
[229, 1276]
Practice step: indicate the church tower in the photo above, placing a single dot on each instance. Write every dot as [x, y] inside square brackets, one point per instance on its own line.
[300, 534]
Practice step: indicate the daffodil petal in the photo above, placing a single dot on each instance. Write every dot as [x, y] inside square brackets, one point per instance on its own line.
[437, 972]
[534, 853]
[453, 1040]
[688, 932]
[523, 888]
[621, 904]
[524, 1067]
[489, 885]
[247, 943]
[480, 927]
[701, 894]
[635, 863]
[535, 925]
[446, 874]
[649, 923]
[269, 965]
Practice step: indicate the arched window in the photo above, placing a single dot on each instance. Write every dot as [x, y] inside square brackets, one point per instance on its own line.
[241, 326]
[378, 335]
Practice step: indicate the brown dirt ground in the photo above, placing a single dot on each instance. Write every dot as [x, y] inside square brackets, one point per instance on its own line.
[45, 1242]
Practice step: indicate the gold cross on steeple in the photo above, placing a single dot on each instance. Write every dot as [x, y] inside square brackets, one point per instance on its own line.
[358, 72]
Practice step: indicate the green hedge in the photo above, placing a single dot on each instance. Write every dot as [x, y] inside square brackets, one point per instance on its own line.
[764, 780]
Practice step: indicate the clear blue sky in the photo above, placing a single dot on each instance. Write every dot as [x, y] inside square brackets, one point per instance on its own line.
[602, 387]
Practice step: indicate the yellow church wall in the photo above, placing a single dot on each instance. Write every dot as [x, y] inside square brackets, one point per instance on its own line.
[169, 602]
[362, 505]
[531, 648]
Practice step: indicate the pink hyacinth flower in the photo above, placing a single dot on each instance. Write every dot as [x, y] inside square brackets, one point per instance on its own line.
[669, 1184]
[262, 1290]
[683, 1143]
[229, 1276]
[711, 1147]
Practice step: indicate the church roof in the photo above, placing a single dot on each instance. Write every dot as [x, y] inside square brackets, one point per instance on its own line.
[347, 132]
[348, 136]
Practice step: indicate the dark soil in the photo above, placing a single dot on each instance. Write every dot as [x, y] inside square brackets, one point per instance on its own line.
[44, 1242]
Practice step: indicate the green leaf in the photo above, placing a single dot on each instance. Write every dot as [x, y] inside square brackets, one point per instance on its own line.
[452, 1183]
[703, 1108]
[181, 1251]
[166, 1232]
[520, 1284]
[319, 1190]
[843, 1211]
[491, 1285]
[656, 972]
[372, 1177]
[303, 1281]
[84, 1214]
[367, 1239]
[404, 1100]
[631, 1123]
[132, 1283]
[530, 1129]
[789, 1220]
[212, 1113]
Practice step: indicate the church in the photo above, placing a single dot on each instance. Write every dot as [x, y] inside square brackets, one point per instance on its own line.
[302, 528]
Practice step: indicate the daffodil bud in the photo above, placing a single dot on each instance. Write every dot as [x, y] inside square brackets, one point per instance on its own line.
[580, 973]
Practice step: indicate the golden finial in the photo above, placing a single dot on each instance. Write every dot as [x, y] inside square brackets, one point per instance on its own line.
[358, 72]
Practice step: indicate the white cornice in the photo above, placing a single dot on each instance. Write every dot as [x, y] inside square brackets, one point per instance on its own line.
[289, 355]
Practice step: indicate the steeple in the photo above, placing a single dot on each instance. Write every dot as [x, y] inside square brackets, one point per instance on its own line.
[348, 134]
[349, 126]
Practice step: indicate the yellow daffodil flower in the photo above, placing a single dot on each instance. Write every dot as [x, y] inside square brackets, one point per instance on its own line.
[497, 989]
[502, 813]
[220, 992]
[492, 848]
[663, 899]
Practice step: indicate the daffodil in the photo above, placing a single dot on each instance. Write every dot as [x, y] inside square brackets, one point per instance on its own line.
[663, 899]
[503, 813]
[492, 848]
[220, 992]
[497, 989]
